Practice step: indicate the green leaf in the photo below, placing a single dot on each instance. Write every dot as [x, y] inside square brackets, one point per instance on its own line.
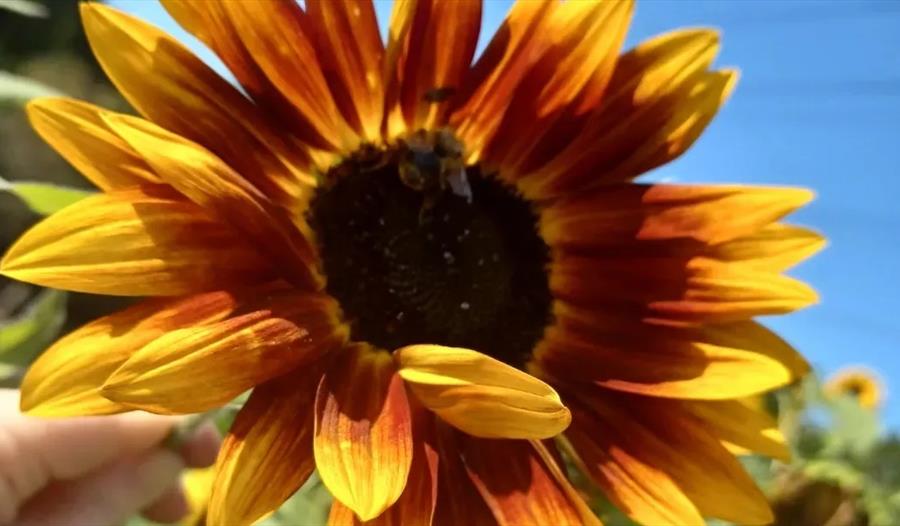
[25, 8]
[19, 90]
[44, 198]
[22, 338]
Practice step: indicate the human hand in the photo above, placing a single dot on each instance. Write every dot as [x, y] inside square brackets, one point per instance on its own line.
[93, 470]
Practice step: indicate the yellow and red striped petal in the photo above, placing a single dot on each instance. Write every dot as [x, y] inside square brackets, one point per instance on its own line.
[268, 453]
[711, 362]
[363, 441]
[458, 501]
[77, 131]
[519, 487]
[741, 427]
[430, 47]
[649, 85]
[415, 507]
[175, 89]
[271, 336]
[514, 49]
[65, 380]
[208, 181]
[776, 248]
[660, 465]
[277, 35]
[622, 214]
[480, 395]
[581, 49]
[698, 290]
[137, 242]
[349, 45]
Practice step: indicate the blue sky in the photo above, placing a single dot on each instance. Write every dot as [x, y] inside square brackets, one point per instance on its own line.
[818, 106]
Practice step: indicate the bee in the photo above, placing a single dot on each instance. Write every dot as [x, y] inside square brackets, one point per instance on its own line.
[432, 163]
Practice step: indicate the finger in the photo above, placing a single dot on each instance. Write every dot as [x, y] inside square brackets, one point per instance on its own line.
[201, 449]
[108, 496]
[172, 506]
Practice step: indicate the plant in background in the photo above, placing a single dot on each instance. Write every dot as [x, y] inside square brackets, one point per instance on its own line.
[430, 273]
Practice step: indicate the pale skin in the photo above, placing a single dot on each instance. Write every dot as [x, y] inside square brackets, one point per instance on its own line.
[93, 470]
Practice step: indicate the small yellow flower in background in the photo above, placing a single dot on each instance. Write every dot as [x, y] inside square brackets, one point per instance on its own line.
[197, 484]
[861, 383]
[431, 272]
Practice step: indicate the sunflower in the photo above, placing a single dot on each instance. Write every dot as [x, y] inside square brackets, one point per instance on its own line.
[861, 383]
[438, 277]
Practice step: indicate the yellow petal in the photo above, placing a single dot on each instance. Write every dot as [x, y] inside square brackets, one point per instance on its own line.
[170, 86]
[137, 242]
[209, 182]
[196, 369]
[712, 362]
[776, 247]
[77, 131]
[363, 442]
[66, 379]
[740, 427]
[480, 395]
[267, 455]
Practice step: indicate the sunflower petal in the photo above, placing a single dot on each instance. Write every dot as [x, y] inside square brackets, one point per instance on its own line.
[209, 182]
[347, 39]
[621, 214]
[267, 455]
[415, 507]
[65, 380]
[137, 242]
[480, 395]
[277, 36]
[430, 47]
[694, 290]
[741, 427]
[458, 500]
[278, 333]
[77, 131]
[518, 487]
[175, 89]
[583, 42]
[776, 248]
[712, 362]
[624, 437]
[363, 442]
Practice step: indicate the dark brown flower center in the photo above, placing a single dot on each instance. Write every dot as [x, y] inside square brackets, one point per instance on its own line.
[418, 248]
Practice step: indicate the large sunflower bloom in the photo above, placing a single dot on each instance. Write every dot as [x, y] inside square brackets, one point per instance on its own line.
[433, 274]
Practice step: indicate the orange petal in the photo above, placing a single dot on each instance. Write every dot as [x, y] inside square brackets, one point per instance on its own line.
[349, 45]
[486, 94]
[430, 47]
[708, 363]
[276, 333]
[741, 426]
[519, 487]
[458, 501]
[622, 214]
[277, 36]
[137, 242]
[363, 442]
[568, 81]
[77, 131]
[694, 290]
[65, 380]
[481, 395]
[660, 465]
[268, 454]
[777, 247]
[649, 85]
[175, 89]
[415, 507]
[209, 182]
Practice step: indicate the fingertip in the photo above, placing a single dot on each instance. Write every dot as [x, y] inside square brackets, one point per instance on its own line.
[172, 506]
[201, 449]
